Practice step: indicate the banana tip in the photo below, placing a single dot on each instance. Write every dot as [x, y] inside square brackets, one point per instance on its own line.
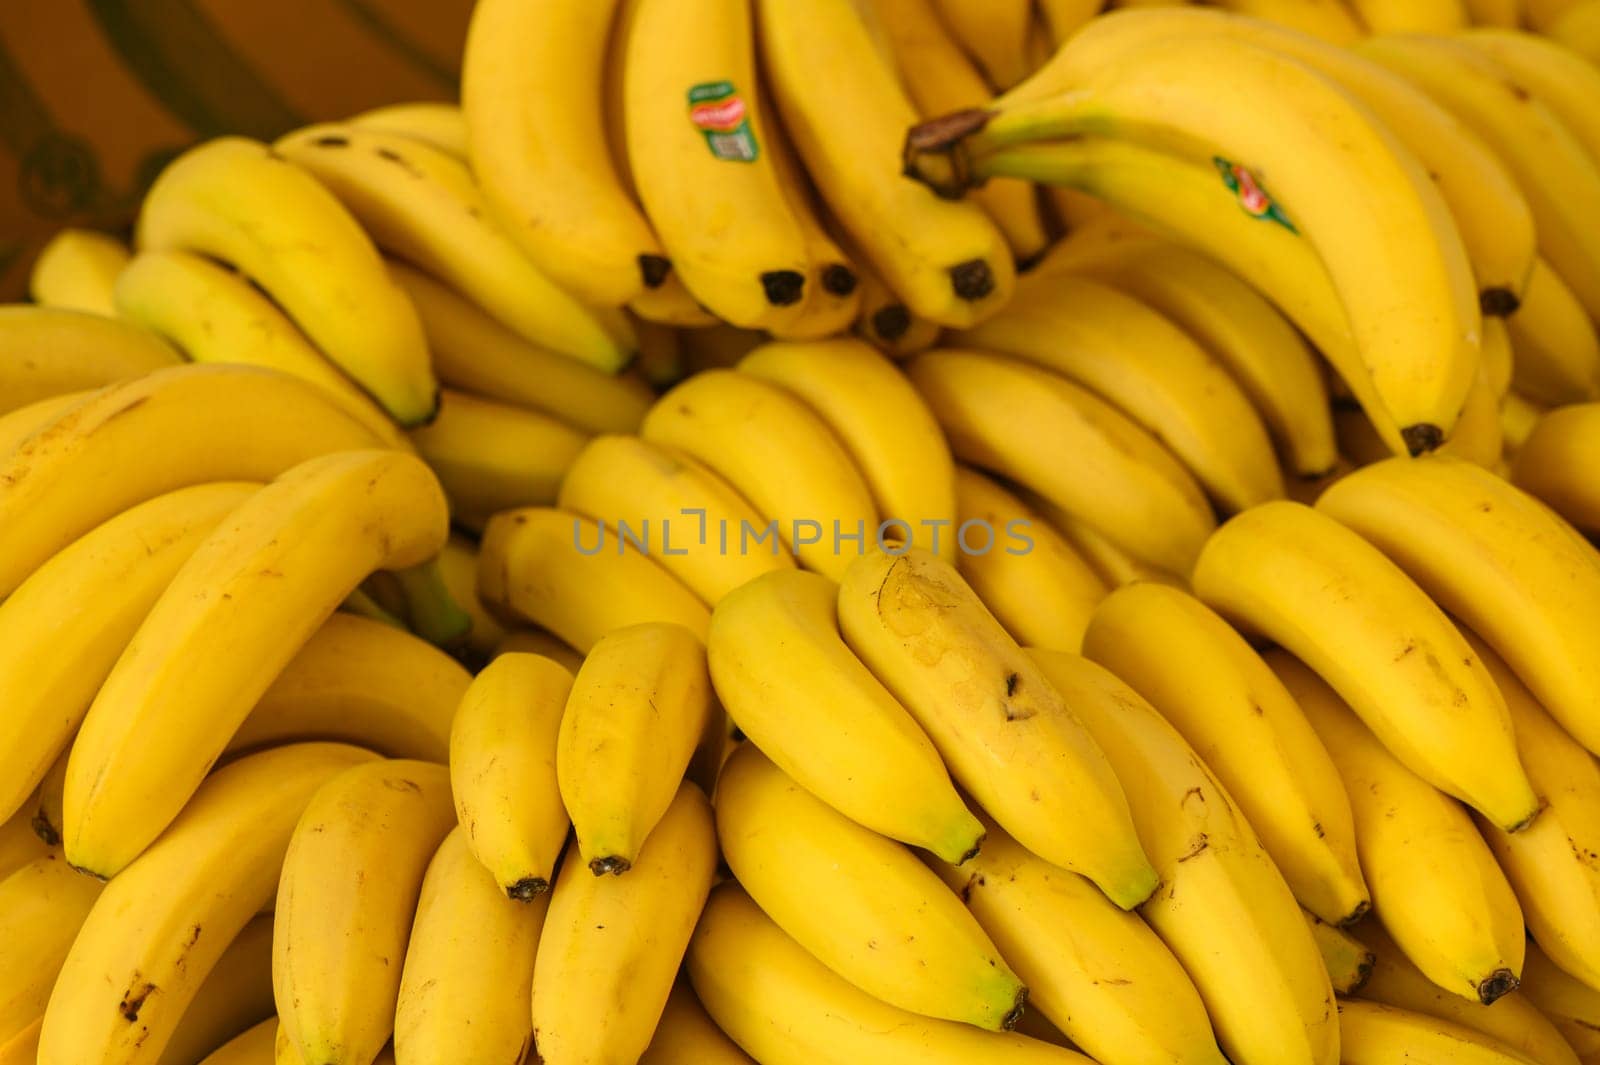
[611, 864]
[1019, 1006]
[1498, 302]
[1422, 438]
[528, 888]
[1498, 983]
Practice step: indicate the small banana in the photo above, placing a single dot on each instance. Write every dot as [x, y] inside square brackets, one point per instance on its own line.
[81, 350]
[887, 323]
[76, 270]
[43, 904]
[1554, 464]
[1348, 961]
[1557, 77]
[236, 995]
[1371, 1034]
[1556, 344]
[458, 568]
[685, 1035]
[1571, 1005]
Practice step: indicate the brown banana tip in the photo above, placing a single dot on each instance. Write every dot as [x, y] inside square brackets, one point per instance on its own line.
[891, 322]
[972, 280]
[783, 288]
[838, 280]
[654, 270]
[941, 134]
[613, 865]
[1500, 982]
[1421, 438]
[1498, 302]
[1363, 972]
[977, 845]
[528, 888]
[45, 830]
[1358, 914]
[1018, 1007]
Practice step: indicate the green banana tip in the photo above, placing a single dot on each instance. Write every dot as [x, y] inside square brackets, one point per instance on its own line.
[1018, 1007]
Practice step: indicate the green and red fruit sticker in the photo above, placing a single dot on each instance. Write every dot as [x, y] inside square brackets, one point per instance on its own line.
[719, 112]
[1251, 196]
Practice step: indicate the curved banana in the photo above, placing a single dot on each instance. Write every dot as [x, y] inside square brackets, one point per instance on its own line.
[47, 352]
[1101, 975]
[685, 1035]
[946, 260]
[458, 568]
[1033, 580]
[1327, 20]
[1571, 1005]
[1203, 678]
[76, 270]
[784, 1007]
[1496, 558]
[1372, 1034]
[1410, 16]
[1009, 737]
[612, 945]
[469, 966]
[886, 322]
[212, 314]
[264, 581]
[1015, 420]
[782, 670]
[255, 1046]
[1348, 961]
[346, 899]
[1302, 580]
[1556, 76]
[1150, 369]
[883, 423]
[1498, 359]
[419, 203]
[1222, 907]
[1434, 883]
[561, 572]
[863, 905]
[1556, 343]
[1114, 565]
[780, 455]
[661, 493]
[236, 995]
[1556, 464]
[43, 904]
[239, 201]
[48, 817]
[138, 960]
[995, 35]
[432, 121]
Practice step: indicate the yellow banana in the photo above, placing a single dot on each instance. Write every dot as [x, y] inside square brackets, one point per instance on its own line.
[1556, 464]
[76, 270]
[561, 572]
[1202, 677]
[661, 494]
[1302, 580]
[1348, 961]
[1556, 344]
[1518, 417]
[1571, 1005]
[469, 966]
[239, 201]
[1014, 419]
[780, 455]
[1478, 437]
[994, 34]
[43, 904]
[947, 261]
[1434, 884]
[1101, 975]
[784, 1007]
[1557, 77]
[212, 314]
[48, 817]
[1329, 20]
[887, 323]
[538, 642]
[139, 958]
[236, 995]
[1498, 358]
[252, 1047]
[1009, 737]
[458, 568]
[883, 423]
[431, 121]
[1372, 1034]
[1506, 13]
[1033, 580]
[346, 899]
[1064, 17]
[1114, 565]
[1410, 16]
[19, 844]
[612, 945]
[1578, 27]
[233, 616]
[781, 667]
[47, 352]
[863, 905]
[423, 205]
[685, 1035]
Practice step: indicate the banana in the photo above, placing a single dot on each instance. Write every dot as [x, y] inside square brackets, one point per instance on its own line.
[1518, 417]
[422, 205]
[1514, 1020]
[1496, 558]
[888, 925]
[361, 682]
[468, 971]
[346, 898]
[236, 995]
[1328, 20]
[781, 668]
[1014, 419]
[458, 568]
[1297, 577]
[538, 642]
[1149, 368]
[784, 1007]
[490, 456]
[685, 1035]
[1478, 438]
[1064, 17]
[239, 201]
[1410, 16]
[1036, 584]
[1559, 178]
[1372, 1034]
[1561, 80]
[434, 122]
[939, 78]
[1572, 1006]
[19, 844]
[1578, 27]
[536, 564]
[18, 425]
[1506, 13]
[531, 90]
[1101, 975]
[252, 1047]
[1555, 464]
[780, 455]
[212, 314]
[46, 352]
[76, 270]
[1215, 690]
[623, 481]
[1348, 961]
[1498, 358]
[612, 945]
[1114, 565]
[43, 904]
[635, 714]
[883, 423]
[887, 323]
[48, 817]
[1266, 356]
[661, 363]
[65, 626]
[263, 581]
[994, 34]
[1434, 883]
[1557, 346]
[139, 958]
[1009, 737]
[946, 260]
[474, 353]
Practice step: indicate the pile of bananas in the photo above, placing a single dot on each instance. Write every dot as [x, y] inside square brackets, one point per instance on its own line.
[864, 531]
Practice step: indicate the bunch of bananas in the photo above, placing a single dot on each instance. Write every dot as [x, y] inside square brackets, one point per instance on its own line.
[867, 531]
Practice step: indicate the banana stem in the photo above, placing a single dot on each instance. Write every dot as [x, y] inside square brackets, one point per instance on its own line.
[947, 153]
